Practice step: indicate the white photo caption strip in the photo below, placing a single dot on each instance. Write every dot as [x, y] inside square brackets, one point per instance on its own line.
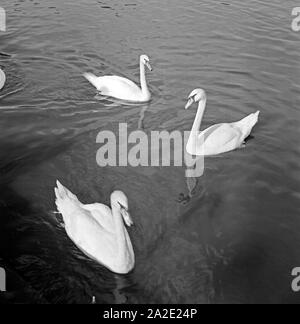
[151, 314]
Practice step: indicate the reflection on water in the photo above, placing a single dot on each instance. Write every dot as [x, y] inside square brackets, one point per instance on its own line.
[231, 235]
[112, 102]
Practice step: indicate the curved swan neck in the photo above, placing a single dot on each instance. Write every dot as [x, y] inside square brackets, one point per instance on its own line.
[119, 225]
[144, 85]
[199, 116]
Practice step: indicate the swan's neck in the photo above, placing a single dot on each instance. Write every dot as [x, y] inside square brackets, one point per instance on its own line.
[199, 117]
[195, 140]
[144, 85]
[120, 230]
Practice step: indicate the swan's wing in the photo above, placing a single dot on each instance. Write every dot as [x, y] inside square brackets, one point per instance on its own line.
[69, 205]
[115, 86]
[102, 214]
[220, 138]
[117, 79]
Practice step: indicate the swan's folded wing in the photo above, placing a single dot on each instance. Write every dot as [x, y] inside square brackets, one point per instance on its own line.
[102, 214]
[118, 87]
[90, 237]
[220, 138]
[125, 81]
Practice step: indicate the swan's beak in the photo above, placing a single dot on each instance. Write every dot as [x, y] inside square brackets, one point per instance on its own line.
[189, 103]
[127, 218]
[149, 66]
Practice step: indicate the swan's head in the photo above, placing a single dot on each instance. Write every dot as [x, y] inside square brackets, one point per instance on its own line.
[195, 96]
[146, 61]
[120, 201]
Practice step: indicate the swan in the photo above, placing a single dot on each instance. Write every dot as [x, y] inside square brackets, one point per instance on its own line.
[2, 79]
[122, 88]
[98, 231]
[218, 138]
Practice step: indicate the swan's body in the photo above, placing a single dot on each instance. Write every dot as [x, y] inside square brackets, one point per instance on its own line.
[218, 138]
[2, 79]
[122, 88]
[97, 230]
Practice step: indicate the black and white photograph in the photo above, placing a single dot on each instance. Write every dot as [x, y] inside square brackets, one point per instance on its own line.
[149, 154]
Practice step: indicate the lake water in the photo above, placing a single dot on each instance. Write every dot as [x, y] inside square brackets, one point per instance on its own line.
[237, 239]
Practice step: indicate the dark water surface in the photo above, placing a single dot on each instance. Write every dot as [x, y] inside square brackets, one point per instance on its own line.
[238, 238]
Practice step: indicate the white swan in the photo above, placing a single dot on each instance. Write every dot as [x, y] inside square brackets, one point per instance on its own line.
[97, 230]
[219, 138]
[2, 79]
[122, 88]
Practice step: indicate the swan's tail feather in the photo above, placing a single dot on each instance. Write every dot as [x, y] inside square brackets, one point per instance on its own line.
[92, 79]
[66, 201]
[254, 119]
[248, 123]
